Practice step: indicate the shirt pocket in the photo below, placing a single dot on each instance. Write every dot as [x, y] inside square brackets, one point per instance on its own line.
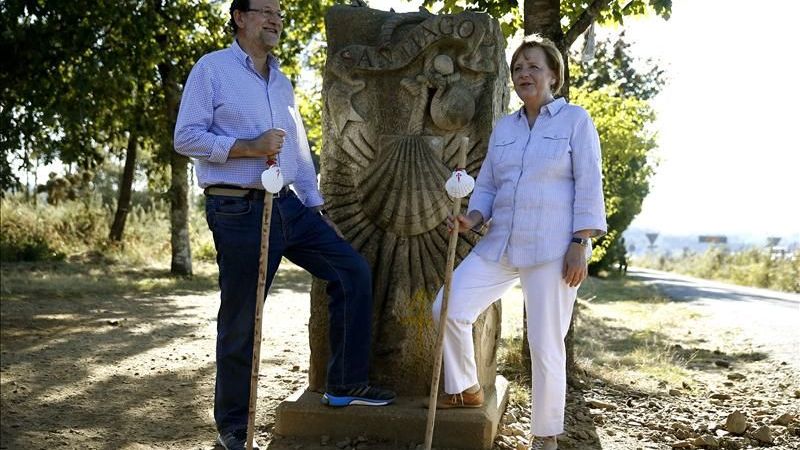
[555, 146]
[504, 151]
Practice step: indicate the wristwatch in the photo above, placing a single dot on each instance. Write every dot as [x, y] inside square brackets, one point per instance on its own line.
[581, 241]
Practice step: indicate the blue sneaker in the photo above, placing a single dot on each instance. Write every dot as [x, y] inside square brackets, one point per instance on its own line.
[235, 440]
[365, 395]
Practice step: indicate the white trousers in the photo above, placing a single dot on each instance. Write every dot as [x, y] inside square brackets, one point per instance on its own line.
[477, 283]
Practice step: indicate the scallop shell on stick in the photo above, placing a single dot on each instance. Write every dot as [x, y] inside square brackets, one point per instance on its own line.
[272, 179]
[460, 184]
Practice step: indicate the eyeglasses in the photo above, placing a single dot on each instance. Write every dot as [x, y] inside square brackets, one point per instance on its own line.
[267, 13]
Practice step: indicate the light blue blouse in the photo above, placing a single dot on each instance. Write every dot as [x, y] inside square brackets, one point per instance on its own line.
[539, 185]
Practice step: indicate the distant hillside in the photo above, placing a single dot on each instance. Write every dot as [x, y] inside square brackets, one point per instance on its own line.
[637, 243]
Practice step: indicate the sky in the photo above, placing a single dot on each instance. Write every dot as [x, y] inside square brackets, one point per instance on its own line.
[728, 120]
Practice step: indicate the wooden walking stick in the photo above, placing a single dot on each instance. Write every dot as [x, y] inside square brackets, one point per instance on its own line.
[459, 185]
[273, 182]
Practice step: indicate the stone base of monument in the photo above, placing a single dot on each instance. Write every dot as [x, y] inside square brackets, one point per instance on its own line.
[402, 423]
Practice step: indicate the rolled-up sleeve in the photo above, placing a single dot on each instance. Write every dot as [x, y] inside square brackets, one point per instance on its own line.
[193, 137]
[589, 212]
[483, 195]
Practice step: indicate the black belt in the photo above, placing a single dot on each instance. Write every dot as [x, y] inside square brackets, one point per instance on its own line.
[236, 191]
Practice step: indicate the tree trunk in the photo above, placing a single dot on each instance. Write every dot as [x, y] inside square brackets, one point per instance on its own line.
[125, 189]
[543, 17]
[179, 216]
[28, 180]
[181, 263]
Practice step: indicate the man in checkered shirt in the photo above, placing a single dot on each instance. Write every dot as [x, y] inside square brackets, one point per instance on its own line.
[238, 109]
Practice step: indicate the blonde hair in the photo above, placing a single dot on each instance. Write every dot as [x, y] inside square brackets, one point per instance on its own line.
[554, 60]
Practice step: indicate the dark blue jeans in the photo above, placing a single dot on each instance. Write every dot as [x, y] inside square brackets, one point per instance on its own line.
[302, 236]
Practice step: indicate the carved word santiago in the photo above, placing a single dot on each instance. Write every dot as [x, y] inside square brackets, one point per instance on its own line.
[423, 36]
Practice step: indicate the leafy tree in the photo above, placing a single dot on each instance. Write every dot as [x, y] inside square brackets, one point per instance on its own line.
[302, 45]
[302, 54]
[107, 79]
[613, 65]
[614, 88]
[560, 20]
[622, 123]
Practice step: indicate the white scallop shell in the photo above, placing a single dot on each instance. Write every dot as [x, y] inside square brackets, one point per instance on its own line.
[460, 184]
[272, 179]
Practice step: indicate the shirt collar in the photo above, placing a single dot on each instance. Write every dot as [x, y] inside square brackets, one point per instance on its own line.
[245, 59]
[553, 108]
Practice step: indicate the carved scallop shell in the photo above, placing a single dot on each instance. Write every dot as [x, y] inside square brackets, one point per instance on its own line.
[460, 184]
[401, 191]
[272, 179]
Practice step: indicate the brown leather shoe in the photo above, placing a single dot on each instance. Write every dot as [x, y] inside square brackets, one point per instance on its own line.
[462, 400]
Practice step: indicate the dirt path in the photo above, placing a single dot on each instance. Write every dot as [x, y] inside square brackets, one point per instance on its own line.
[136, 371]
[765, 319]
[738, 350]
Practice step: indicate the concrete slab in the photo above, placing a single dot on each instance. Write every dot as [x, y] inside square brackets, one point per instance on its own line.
[302, 415]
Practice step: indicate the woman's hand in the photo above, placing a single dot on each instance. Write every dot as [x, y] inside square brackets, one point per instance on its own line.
[576, 268]
[465, 223]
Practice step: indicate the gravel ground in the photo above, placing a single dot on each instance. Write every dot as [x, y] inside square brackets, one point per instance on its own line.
[137, 373]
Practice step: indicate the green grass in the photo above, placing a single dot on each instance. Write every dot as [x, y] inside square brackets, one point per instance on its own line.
[617, 289]
[751, 267]
[621, 336]
[63, 251]
[77, 231]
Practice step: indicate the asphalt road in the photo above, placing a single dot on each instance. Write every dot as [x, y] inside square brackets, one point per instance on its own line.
[769, 320]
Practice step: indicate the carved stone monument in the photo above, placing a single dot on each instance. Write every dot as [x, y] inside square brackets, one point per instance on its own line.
[400, 90]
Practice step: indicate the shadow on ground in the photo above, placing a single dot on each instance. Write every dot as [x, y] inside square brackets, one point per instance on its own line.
[99, 356]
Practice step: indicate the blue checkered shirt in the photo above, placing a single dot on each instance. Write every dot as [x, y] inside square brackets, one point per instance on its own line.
[225, 98]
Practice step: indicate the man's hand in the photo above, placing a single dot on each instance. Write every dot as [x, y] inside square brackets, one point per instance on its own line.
[270, 141]
[266, 145]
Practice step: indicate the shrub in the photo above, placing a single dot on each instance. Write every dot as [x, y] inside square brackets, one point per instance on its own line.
[79, 228]
[749, 267]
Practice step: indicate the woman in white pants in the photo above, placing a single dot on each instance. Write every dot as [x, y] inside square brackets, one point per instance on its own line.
[541, 187]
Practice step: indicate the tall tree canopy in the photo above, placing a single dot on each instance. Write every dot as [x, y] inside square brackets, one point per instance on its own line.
[614, 88]
[91, 78]
[560, 20]
[612, 65]
[84, 74]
